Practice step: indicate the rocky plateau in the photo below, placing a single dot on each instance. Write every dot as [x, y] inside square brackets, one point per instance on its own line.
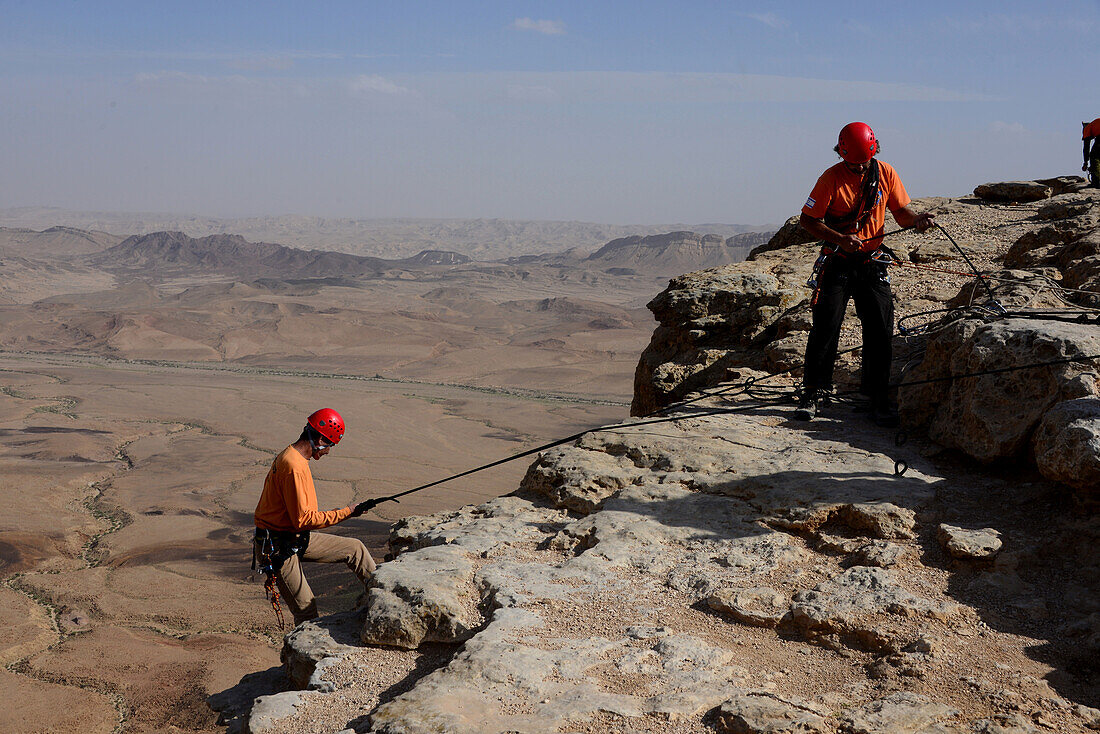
[713, 566]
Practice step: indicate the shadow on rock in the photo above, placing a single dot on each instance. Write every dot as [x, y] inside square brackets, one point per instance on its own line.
[234, 705]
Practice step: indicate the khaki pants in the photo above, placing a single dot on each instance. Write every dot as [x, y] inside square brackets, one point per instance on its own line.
[322, 548]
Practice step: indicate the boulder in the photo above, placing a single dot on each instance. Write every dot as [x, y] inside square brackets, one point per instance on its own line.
[1067, 443]
[882, 554]
[425, 596]
[708, 320]
[898, 713]
[880, 519]
[935, 250]
[964, 543]
[789, 235]
[268, 712]
[1014, 191]
[1060, 185]
[316, 640]
[766, 713]
[992, 416]
[758, 606]
[577, 479]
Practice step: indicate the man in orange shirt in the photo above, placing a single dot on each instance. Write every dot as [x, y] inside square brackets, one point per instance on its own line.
[287, 515]
[1090, 131]
[847, 211]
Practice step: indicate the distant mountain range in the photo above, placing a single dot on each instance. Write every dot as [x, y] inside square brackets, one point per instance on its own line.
[675, 252]
[174, 255]
[479, 239]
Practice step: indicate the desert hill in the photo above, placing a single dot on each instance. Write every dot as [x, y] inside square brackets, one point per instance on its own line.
[483, 239]
[161, 252]
[674, 252]
[731, 570]
[555, 319]
[54, 242]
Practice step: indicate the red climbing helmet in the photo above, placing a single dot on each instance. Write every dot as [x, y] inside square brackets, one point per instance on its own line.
[328, 423]
[857, 143]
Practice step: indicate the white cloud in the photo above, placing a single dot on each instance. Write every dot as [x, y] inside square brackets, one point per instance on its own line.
[546, 27]
[374, 84]
[769, 19]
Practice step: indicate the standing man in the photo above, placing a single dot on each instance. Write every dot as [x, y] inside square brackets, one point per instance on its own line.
[287, 515]
[1090, 131]
[847, 210]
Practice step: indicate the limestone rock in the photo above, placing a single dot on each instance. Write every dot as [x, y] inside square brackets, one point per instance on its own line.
[993, 416]
[1061, 185]
[790, 234]
[969, 544]
[311, 642]
[898, 713]
[880, 519]
[428, 596]
[1089, 716]
[933, 251]
[554, 685]
[758, 713]
[881, 554]
[1006, 724]
[1013, 191]
[758, 606]
[483, 527]
[1065, 207]
[578, 479]
[856, 607]
[269, 710]
[875, 519]
[706, 319]
[1067, 443]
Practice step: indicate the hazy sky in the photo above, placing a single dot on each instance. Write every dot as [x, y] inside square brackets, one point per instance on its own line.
[620, 112]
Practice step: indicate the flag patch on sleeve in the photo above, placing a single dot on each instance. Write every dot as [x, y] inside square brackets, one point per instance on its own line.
[810, 202]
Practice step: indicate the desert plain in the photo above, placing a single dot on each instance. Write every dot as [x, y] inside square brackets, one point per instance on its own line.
[146, 387]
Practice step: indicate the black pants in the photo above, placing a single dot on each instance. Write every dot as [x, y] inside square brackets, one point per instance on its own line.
[862, 279]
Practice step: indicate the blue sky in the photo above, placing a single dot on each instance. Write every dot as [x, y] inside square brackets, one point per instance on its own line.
[640, 112]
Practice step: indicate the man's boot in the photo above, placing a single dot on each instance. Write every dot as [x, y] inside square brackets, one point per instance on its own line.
[883, 412]
[807, 405]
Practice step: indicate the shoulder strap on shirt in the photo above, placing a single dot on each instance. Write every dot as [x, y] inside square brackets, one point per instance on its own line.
[861, 213]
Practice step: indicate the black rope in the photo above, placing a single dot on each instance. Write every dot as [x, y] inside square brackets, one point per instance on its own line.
[574, 437]
[975, 270]
[999, 370]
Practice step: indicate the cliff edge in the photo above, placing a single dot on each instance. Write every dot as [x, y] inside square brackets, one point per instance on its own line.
[731, 570]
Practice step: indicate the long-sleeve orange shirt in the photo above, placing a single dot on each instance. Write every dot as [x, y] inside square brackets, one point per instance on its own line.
[289, 500]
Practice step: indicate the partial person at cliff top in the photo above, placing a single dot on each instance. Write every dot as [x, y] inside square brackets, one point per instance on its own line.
[287, 515]
[847, 211]
[1090, 134]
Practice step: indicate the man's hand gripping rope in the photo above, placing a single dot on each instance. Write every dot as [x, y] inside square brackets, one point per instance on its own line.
[370, 504]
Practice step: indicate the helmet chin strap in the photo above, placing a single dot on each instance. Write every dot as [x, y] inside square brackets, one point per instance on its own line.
[314, 439]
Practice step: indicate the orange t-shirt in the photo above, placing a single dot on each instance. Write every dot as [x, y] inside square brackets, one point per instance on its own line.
[289, 501]
[1092, 130]
[837, 193]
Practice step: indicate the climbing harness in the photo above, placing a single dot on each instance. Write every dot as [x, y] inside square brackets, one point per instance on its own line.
[270, 550]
